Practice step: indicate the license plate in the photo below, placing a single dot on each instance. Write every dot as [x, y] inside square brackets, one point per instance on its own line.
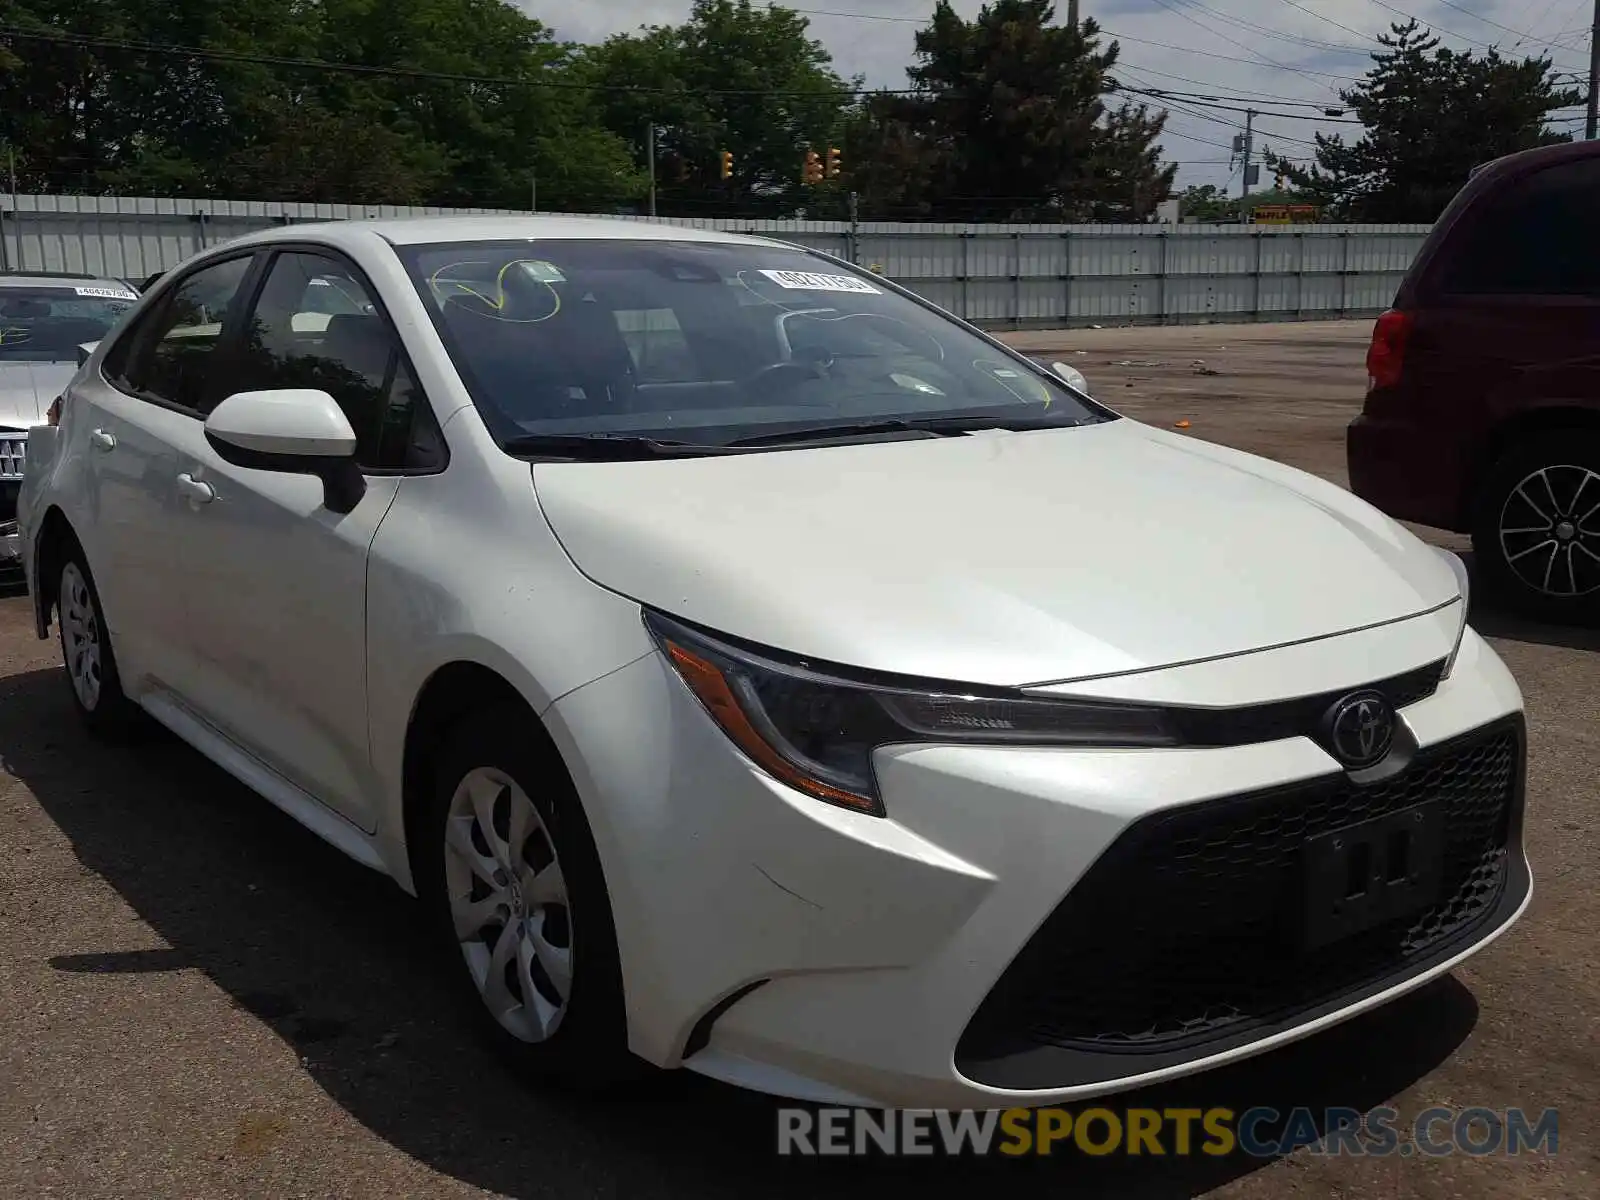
[1368, 874]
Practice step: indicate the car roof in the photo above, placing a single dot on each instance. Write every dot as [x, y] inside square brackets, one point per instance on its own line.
[411, 231]
[1485, 174]
[35, 279]
[1486, 178]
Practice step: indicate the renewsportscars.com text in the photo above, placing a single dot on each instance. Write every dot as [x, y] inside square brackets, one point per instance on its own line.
[1261, 1132]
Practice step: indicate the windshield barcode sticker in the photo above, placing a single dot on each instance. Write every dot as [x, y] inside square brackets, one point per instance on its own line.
[106, 293]
[806, 281]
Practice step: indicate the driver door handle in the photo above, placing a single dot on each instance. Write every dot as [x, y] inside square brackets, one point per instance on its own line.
[102, 439]
[196, 491]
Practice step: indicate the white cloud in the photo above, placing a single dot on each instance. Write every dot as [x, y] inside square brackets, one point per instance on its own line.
[1299, 53]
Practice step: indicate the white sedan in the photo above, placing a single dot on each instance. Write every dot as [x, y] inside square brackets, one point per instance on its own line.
[756, 670]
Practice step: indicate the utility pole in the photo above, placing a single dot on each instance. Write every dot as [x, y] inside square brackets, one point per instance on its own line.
[855, 227]
[1594, 74]
[650, 143]
[1072, 14]
[1247, 147]
[533, 189]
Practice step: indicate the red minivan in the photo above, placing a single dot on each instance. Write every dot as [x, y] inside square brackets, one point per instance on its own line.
[1483, 402]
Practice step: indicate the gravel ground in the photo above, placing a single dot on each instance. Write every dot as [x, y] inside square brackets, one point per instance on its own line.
[197, 998]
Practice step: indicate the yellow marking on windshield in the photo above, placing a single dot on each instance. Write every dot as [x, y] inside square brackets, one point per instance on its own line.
[498, 301]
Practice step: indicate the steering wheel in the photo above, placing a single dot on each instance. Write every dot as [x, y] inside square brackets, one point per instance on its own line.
[781, 376]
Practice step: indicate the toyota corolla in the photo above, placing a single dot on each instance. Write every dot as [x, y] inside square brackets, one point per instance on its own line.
[753, 669]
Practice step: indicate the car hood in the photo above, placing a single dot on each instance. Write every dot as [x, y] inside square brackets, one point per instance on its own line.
[27, 389]
[996, 558]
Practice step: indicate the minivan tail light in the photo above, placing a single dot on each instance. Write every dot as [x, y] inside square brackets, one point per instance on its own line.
[1386, 356]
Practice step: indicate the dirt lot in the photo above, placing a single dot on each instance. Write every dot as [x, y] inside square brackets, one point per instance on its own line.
[198, 999]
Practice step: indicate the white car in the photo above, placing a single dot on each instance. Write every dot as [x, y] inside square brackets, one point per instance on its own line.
[45, 318]
[756, 670]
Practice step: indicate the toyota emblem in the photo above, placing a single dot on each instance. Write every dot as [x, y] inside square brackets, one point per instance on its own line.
[1361, 729]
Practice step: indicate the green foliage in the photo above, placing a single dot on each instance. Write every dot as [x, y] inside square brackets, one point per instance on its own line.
[726, 46]
[113, 120]
[1007, 123]
[1431, 115]
[1208, 202]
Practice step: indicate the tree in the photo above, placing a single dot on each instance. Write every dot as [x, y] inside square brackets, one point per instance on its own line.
[1431, 114]
[1006, 122]
[1208, 202]
[106, 119]
[734, 77]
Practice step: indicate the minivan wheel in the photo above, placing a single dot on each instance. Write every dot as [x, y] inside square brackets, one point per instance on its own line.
[86, 650]
[1537, 534]
[508, 871]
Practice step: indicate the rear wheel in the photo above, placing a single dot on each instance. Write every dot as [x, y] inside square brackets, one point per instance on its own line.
[86, 649]
[1537, 534]
[508, 870]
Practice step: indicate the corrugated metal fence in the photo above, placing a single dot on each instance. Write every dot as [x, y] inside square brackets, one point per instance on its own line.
[1004, 276]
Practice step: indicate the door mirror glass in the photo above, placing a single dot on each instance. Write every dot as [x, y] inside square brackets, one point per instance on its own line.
[1071, 376]
[301, 431]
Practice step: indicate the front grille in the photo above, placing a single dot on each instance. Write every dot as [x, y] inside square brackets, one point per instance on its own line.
[13, 455]
[1188, 929]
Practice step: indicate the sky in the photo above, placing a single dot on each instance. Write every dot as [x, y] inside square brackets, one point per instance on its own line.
[1288, 56]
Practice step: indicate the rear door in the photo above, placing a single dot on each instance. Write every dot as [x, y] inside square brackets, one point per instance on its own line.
[1509, 316]
[157, 379]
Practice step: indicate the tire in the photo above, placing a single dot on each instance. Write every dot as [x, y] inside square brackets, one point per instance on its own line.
[1531, 534]
[91, 666]
[553, 908]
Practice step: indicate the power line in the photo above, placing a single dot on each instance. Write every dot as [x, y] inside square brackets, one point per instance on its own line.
[1277, 34]
[1371, 37]
[1233, 58]
[1244, 92]
[1198, 24]
[1210, 102]
[1480, 17]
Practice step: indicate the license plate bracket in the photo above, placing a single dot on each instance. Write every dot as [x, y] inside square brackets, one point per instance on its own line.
[1371, 873]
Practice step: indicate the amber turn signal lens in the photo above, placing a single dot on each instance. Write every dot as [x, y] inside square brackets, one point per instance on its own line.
[710, 686]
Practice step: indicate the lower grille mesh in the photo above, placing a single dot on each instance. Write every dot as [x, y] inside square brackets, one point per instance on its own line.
[1187, 929]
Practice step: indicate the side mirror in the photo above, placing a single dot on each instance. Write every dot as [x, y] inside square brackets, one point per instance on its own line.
[1071, 376]
[85, 349]
[301, 431]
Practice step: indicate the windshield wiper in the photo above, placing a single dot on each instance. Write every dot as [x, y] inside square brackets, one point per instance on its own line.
[608, 447]
[937, 426]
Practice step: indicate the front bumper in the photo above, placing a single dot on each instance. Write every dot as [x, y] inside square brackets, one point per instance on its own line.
[777, 943]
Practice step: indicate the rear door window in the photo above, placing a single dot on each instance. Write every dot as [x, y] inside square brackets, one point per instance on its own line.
[1538, 237]
[174, 357]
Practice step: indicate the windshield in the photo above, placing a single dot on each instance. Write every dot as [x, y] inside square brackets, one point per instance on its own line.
[49, 323]
[706, 345]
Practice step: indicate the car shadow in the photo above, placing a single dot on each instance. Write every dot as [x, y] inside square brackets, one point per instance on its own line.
[326, 954]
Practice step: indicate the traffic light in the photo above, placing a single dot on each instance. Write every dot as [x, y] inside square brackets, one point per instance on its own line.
[835, 163]
[811, 173]
[727, 164]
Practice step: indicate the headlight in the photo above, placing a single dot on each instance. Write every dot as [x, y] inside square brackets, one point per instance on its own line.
[815, 729]
[1464, 582]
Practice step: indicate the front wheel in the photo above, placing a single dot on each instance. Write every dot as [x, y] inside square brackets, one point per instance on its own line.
[1537, 533]
[509, 872]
